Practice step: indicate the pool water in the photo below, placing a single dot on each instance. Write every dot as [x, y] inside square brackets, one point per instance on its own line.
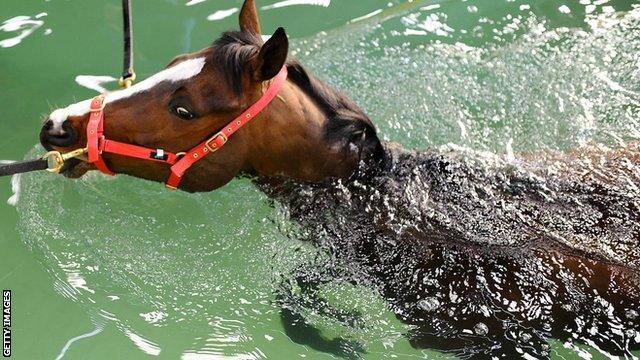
[119, 268]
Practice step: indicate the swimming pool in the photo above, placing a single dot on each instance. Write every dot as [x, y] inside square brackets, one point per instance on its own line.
[120, 268]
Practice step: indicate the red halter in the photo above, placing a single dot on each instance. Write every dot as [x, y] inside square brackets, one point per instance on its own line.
[97, 144]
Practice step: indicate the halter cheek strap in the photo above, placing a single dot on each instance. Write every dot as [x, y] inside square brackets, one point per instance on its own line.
[95, 129]
[97, 144]
[217, 141]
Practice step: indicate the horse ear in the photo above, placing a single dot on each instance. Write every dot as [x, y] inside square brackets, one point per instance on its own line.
[272, 56]
[249, 21]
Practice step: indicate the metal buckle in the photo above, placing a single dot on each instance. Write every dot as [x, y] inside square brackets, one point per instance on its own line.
[212, 149]
[127, 82]
[58, 158]
[92, 110]
[100, 144]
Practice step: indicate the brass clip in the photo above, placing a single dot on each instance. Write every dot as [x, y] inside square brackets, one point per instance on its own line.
[126, 83]
[56, 159]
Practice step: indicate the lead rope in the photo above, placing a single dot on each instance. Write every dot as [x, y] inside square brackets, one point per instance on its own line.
[54, 160]
[128, 75]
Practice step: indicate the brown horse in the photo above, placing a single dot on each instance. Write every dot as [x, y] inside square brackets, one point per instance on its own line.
[483, 256]
[200, 93]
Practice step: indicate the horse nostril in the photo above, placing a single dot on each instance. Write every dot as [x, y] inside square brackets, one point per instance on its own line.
[57, 134]
[47, 125]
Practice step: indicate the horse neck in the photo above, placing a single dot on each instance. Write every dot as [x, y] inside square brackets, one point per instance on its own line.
[290, 141]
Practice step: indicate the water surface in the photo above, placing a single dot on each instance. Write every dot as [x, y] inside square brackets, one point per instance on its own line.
[120, 268]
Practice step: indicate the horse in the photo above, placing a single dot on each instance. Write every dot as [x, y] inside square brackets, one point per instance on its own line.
[483, 256]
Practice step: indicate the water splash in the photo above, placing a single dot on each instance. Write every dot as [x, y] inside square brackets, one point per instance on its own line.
[557, 87]
[15, 185]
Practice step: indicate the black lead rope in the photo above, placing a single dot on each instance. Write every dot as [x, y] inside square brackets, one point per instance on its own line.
[128, 76]
[23, 167]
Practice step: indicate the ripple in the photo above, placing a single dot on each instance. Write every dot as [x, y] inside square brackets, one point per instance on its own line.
[285, 3]
[222, 14]
[26, 25]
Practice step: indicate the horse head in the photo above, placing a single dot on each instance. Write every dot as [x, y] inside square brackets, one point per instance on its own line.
[309, 132]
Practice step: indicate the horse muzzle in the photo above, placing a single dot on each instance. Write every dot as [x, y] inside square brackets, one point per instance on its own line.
[60, 135]
[55, 138]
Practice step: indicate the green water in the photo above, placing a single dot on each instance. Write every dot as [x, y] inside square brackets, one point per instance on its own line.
[143, 273]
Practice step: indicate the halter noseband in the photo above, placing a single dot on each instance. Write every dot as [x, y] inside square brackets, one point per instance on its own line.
[97, 143]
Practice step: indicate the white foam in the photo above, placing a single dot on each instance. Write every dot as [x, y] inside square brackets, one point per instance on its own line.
[143, 344]
[94, 82]
[25, 24]
[194, 2]
[15, 185]
[285, 3]
[221, 14]
[511, 157]
[181, 71]
[153, 317]
[367, 16]
[15, 188]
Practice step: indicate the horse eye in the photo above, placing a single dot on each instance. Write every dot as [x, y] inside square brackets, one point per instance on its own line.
[183, 113]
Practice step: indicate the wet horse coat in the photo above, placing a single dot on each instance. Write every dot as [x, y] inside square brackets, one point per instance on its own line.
[483, 256]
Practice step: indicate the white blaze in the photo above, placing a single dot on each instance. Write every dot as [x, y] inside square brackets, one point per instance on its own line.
[181, 71]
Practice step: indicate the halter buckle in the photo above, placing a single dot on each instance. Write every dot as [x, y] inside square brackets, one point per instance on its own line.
[102, 104]
[215, 147]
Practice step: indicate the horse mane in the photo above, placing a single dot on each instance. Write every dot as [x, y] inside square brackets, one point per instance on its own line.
[347, 124]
